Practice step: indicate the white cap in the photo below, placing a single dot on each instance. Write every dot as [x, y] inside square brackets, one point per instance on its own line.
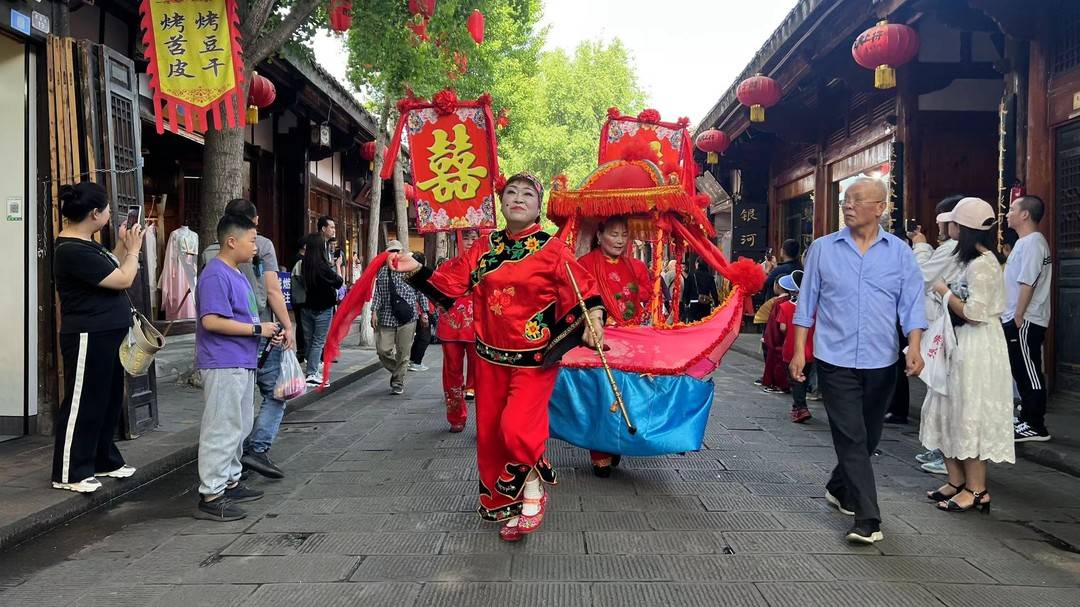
[971, 212]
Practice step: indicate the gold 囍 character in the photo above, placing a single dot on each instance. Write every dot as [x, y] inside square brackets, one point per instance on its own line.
[453, 165]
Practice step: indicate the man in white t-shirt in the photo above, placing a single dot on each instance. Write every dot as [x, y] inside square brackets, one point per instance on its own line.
[1027, 314]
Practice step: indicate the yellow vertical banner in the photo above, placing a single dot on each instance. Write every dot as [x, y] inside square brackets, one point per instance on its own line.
[195, 63]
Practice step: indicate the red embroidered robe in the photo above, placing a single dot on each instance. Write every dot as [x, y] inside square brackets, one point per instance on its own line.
[624, 285]
[526, 316]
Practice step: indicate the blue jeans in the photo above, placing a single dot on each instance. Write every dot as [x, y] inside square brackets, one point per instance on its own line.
[316, 326]
[268, 422]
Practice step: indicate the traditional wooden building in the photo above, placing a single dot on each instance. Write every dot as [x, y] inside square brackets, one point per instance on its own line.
[991, 100]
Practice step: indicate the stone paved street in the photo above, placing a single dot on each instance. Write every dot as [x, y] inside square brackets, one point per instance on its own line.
[377, 510]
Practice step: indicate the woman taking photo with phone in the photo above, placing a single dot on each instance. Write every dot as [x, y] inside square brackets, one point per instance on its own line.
[94, 318]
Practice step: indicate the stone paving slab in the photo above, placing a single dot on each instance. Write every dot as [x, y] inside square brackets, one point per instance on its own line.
[334, 595]
[681, 594]
[378, 508]
[847, 594]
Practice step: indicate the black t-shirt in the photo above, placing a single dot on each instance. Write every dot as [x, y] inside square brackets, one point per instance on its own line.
[78, 267]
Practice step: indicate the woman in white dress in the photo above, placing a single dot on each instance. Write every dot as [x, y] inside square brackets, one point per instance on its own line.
[973, 424]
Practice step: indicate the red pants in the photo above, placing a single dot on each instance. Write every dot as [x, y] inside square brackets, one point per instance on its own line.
[454, 378]
[511, 432]
[776, 372]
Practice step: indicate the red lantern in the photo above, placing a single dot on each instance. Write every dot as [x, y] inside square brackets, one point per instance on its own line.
[410, 192]
[418, 24]
[367, 152]
[503, 120]
[713, 142]
[422, 7]
[262, 92]
[758, 92]
[340, 12]
[884, 47]
[475, 24]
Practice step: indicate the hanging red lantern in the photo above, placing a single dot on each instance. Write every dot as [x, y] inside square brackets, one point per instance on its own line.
[475, 25]
[340, 12]
[418, 25]
[410, 192]
[367, 152]
[261, 93]
[503, 120]
[713, 142]
[422, 7]
[884, 47]
[758, 92]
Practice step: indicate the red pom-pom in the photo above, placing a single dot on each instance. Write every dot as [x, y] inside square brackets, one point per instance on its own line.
[484, 99]
[638, 150]
[445, 102]
[649, 115]
[613, 113]
[746, 274]
[683, 122]
[500, 183]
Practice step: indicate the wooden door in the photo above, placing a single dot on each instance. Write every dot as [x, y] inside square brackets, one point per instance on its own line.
[123, 161]
[1067, 223]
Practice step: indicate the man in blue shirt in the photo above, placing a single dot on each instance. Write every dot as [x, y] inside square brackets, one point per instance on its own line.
[857, 283]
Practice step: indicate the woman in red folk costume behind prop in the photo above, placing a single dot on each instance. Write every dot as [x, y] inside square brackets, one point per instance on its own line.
[458, 339]
[625, 287]
[526, 316]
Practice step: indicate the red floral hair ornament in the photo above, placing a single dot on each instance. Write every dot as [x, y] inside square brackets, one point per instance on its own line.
[528, 178]
[613, 113]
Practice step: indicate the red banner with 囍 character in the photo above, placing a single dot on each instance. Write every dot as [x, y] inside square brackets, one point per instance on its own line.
[454, 162]
[194, 63]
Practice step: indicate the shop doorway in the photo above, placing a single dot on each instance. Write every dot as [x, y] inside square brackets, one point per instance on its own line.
[1067, 225]
[18, 369]
[799, 221]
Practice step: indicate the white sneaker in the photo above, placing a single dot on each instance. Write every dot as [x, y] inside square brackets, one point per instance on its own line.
[835, 502]
[935, 467]
[413, 367]
[86, 485]
[314, 379]
[124, 471]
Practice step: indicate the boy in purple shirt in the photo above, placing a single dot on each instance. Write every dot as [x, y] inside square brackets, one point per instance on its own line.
[226, 351]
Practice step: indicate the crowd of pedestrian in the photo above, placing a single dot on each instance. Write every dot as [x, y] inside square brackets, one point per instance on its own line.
[966, 318]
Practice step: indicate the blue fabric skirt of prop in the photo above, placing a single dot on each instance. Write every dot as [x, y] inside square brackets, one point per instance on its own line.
[670, 412]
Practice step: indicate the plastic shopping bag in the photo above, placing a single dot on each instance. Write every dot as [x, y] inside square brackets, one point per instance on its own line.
[291, 382]
[938, 350]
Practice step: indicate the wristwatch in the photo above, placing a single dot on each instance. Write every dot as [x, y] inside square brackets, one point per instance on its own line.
[256, 329]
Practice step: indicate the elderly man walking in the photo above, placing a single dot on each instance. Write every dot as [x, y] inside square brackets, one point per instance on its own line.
[857, 283]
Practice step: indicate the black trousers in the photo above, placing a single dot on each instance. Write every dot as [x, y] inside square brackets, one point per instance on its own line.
[856, 400]
[1025, 358]
[90, 413]
[901, 400]
[420, 343]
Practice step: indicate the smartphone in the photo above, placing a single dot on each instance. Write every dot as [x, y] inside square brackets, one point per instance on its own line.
[911, 226]
[134, 216]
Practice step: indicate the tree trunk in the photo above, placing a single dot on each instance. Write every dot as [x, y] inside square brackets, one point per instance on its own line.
[223, 178]
[401, 208]
[367, 334]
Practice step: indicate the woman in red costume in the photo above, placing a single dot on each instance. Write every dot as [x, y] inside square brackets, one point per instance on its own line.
[526, 316]
[455, 333]
[625, 287]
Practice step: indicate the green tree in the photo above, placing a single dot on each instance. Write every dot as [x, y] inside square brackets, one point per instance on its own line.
[555, 127]
[265, 27]
[386, 61]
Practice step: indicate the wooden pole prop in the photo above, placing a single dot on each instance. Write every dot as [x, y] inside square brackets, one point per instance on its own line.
[619, 403]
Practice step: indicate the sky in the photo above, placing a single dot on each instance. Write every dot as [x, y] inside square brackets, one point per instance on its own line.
[686, 56]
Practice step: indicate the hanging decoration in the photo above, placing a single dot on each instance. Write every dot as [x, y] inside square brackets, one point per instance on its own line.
[713, 142]
[367, 151]
[418, 26]
[454, 160]
[503, 120]
[669, 142]
[195, 64]
[410, 192]
[261, 94]
[758, 92]
[475, 25]
[340, 12]
[883, 48]
[422, 7]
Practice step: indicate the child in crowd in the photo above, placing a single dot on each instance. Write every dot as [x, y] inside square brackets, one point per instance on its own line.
[775, 378]
[791, 283]
[226, 337]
